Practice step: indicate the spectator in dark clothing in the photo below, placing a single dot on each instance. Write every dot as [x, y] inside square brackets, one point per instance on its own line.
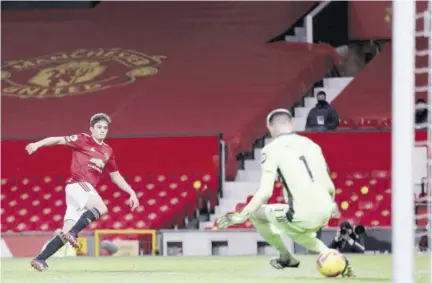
[421, 114]
[322, 117]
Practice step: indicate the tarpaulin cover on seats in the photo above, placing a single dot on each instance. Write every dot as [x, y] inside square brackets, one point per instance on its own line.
[156, 155]
[358, 151]
[369, 94]
[155, 67]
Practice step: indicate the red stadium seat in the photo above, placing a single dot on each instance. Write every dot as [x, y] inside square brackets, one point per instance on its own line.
[363, 198]
[369, 124]
[347, 124]
[386, 123]
[239, 207]
[38, 204]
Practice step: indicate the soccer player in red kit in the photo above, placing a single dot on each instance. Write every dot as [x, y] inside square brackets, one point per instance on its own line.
[91, 156]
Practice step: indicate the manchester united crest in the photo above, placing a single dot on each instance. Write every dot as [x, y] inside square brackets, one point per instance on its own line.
[77, 72]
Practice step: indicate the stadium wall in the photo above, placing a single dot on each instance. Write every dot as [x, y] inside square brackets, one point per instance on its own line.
[195, 243]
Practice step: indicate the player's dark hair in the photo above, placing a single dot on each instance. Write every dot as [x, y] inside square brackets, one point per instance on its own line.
[279, 114]
[99, 117]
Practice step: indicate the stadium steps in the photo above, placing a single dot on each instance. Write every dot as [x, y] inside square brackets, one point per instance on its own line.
[246, 184]
[299, 35]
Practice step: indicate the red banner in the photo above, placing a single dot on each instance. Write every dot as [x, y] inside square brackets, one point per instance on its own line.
[358, 151]
[150, 155]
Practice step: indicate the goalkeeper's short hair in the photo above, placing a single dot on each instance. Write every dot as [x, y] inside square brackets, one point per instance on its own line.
[278, 113]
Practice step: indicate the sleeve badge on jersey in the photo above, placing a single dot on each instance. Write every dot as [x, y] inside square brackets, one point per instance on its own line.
[72, 138]
[263, 157]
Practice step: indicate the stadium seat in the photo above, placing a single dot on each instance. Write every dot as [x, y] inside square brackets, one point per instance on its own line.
[363, 198]
[368, 124]
[38, 204]
[385, 123]
[347, 124]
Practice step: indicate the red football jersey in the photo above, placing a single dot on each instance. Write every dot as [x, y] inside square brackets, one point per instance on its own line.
[85, 148]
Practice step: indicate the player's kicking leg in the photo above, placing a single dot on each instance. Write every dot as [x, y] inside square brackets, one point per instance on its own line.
[271, 234]
[86, 206]
[39, 262]
[95, 208]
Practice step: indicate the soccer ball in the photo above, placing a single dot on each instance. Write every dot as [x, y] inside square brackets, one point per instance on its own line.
[331, 263]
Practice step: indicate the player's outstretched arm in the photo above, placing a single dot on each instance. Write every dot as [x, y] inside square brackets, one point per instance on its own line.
[262, 195]
[265, 191]
[33, 147]
[118, 179]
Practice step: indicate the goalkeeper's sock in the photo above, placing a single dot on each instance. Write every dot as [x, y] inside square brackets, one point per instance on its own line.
[52, 247]
[275, 240]
[310, 242]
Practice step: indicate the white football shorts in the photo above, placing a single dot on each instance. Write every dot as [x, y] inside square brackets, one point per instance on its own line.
[77, 195]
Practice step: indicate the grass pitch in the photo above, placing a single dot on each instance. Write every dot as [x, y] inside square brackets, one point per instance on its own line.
[369, 268]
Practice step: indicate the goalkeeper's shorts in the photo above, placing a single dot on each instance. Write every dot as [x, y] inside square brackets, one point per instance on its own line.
[276, 215]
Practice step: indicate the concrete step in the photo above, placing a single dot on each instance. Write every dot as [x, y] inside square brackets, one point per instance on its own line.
[229, 206]
[299, 122]
[203, 225]
[257, 153]
[302, 38]
[300, 31]
[310, 102]
[251, 176]
[301, 111]
[291, 38]
[239, 190]
[337, 83]
[252, 164]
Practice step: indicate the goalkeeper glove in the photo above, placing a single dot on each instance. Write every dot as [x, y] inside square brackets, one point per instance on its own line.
[230, 219]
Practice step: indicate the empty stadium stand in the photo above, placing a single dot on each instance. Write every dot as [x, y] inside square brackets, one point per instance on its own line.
[212, 73]
[30, 204]
[198, 69]
[182, 177]
[363, 199]
[173, 177]
[360, 161]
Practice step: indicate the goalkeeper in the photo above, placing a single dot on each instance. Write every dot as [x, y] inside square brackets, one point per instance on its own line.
[309, 193]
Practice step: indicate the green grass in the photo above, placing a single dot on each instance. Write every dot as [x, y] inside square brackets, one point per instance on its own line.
[369, 268]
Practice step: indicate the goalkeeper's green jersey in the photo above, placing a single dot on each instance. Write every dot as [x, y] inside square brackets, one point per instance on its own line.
[299, 164]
